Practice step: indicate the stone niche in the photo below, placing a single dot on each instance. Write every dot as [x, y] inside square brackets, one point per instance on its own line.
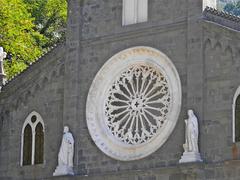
[134, 103]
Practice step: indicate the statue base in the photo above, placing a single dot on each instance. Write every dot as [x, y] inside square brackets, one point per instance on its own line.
[190, 157]
[63, 170]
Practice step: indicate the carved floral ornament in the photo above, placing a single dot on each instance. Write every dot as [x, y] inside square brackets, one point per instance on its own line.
[133, 103]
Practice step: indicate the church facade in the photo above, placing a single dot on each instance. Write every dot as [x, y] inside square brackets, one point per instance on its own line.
[123, 82]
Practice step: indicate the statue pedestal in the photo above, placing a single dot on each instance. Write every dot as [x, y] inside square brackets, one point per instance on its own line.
[63, 170]
[190, 157]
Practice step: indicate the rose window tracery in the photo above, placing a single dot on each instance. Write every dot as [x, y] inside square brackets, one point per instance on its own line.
[137, 104]
[133, 103]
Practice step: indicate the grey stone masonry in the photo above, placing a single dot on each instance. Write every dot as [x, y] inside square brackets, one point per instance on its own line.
[203, 46]
[40, 89]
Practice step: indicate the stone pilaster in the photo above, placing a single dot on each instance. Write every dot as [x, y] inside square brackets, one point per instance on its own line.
[71, 86]
[195, 76]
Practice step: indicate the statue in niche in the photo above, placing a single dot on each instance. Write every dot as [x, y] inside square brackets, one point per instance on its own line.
[191, 151]
[65, 155]
[191, 134]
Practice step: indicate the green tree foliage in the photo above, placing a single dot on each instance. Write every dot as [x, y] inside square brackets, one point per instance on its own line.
[17, 36]
[233, 8]
[50, 18]
[28, 28]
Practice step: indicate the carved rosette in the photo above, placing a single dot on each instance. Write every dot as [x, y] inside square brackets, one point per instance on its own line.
[134, 103]
[137, 104]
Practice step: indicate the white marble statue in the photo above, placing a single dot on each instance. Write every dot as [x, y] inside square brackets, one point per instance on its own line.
[191, 151]
[2, 54]
[65, 155]
[2, 74]
[191, 134]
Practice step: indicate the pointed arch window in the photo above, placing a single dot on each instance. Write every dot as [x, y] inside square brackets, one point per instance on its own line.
[39, 141]
[27, 145]
[236, 116]
[32, 146]
[134, 11]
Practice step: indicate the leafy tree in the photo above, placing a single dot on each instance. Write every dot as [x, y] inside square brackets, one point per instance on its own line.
[233, 8]
[50, 18]
[28, 28]
[17, 36]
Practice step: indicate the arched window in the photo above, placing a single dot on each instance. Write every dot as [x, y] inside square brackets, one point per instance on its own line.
[237, 119]
[39, 141]
[236, 116]
[32, 146]
[27, 145]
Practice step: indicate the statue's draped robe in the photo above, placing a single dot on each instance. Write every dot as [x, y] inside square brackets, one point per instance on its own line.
[65, 156]
[192, 133]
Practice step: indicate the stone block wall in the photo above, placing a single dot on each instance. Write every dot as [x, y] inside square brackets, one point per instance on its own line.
[104, 17]
[102, 36]
[205, 54]
[221, 77]
[40, 89]
[93, 55]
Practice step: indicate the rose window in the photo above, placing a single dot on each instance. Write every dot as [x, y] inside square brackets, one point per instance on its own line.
[137, 104]
[133, 103]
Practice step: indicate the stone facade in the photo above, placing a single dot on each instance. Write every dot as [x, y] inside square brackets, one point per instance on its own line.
[204, 49]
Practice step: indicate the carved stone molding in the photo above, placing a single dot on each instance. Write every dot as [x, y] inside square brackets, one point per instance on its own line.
[133, 103]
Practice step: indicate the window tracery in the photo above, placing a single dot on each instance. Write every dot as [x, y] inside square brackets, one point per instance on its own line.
[32, 143]
[133, 103]
[137, 104]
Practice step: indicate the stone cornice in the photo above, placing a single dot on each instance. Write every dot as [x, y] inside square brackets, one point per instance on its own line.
[222, 18]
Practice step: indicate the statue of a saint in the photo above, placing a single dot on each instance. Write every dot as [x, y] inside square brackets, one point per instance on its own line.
[65, 155]
[2, 74]
[191, 134]
[191, 151]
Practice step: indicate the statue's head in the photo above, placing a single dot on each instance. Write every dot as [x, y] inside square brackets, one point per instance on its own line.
[66, 129]
[2, 54]
[190, 112]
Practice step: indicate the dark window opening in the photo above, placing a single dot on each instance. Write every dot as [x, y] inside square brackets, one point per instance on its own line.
[237, 119]
[27, 146]
[33, 118]
[39, 144]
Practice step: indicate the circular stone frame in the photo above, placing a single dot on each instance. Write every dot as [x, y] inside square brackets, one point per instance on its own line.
[95, 112]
